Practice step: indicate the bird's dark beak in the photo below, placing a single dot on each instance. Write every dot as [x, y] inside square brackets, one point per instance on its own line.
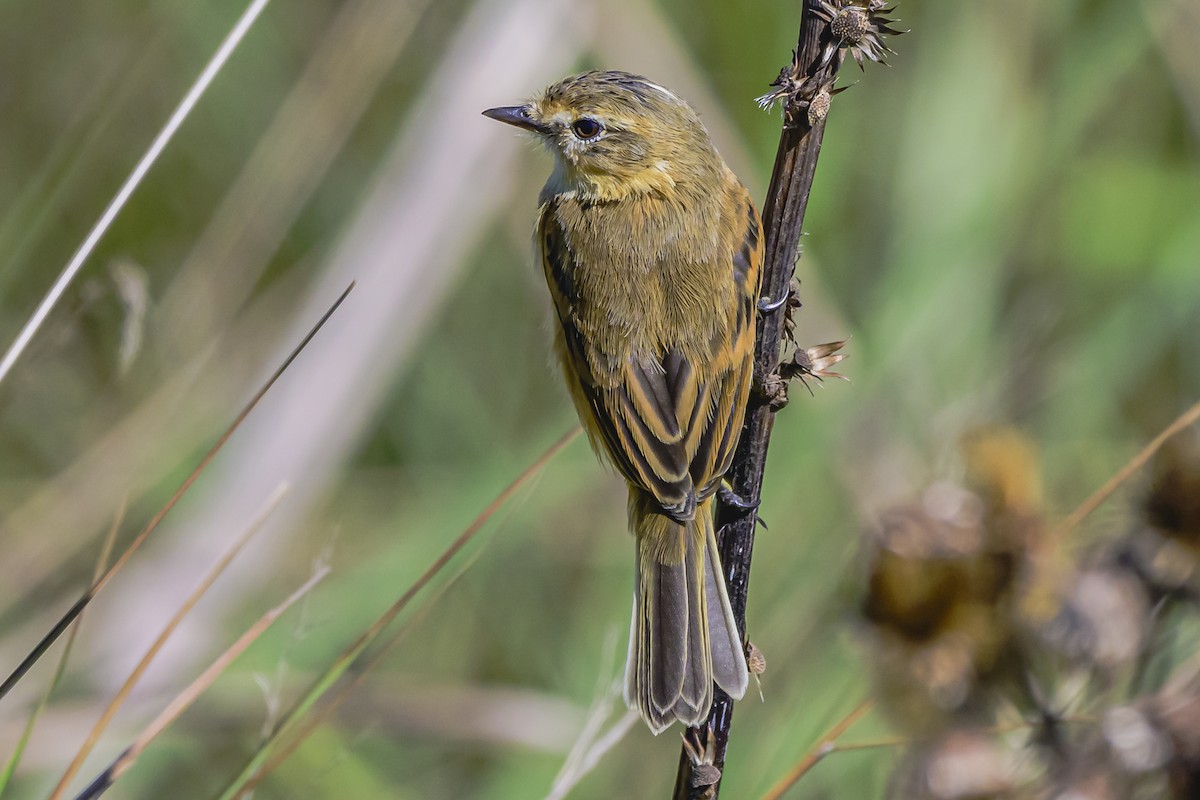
[516, 115]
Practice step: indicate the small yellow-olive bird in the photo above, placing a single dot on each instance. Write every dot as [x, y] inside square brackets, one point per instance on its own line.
[651, 248]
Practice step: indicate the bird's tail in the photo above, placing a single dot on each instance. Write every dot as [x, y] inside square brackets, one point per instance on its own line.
[683, 636]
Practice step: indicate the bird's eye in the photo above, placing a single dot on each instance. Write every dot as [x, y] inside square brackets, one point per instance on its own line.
[586, 128]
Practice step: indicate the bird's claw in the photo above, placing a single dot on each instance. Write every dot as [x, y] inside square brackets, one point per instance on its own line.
[734, 500]
[767, 306]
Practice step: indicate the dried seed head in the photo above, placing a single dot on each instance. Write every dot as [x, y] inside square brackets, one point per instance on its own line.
[1103, 620]
[818, 109]
[1003, 467]
[938, 599]
[859, 28]
[705, 775]
[1165, 550]
[850, 24]
[959, 765]
[1173, 503]
[756, 662]
[814, 362]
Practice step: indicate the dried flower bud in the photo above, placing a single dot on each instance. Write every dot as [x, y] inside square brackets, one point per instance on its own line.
[814, 362]
[705, 775]
[756, 662]
[818, 108]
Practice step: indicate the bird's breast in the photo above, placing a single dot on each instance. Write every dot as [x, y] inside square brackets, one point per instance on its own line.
[644, 273]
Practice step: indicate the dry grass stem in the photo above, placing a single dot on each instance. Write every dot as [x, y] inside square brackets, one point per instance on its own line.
[75, 610]
[140, 669]
[580, 760]
[425, 208]
[295, 151]
[239, 786]
[360, 670]
[824, 746]
[106, 550]
[197, 687]
[1181, 423]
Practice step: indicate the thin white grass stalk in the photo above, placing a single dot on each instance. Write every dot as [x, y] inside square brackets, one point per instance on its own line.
[215, 64]
[206, 678]
[597, 715]
[110, 711]
[591, 745]
[564, 783]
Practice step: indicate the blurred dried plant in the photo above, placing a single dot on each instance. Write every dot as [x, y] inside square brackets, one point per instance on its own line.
[975, 616]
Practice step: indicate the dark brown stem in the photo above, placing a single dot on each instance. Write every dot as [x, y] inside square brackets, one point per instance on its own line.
[783, 215]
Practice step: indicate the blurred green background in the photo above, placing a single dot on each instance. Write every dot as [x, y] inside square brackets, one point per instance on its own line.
[1006, 222]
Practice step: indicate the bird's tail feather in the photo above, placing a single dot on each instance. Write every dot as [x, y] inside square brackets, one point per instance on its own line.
[683, 636]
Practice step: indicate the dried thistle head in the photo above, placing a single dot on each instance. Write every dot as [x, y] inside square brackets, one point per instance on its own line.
[1002, 466]
[1173, 503]
[1165, 550]
[859, 28]
[700, 750]
[1161, 734]
[962, 764]
[1102, 621]
[814, 362]
[786, 84]
[811, 96]
[937, 601]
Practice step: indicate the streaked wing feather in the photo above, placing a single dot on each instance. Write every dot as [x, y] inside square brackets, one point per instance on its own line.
[714, 451]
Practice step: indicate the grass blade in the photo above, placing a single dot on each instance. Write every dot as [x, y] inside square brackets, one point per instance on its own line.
[140, 669]
[823, 747]
[197, 687]
[239, 785]
[15, 759]
[72, 613]
[360, 670]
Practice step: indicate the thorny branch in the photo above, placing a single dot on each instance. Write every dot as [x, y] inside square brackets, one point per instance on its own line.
[828, 30]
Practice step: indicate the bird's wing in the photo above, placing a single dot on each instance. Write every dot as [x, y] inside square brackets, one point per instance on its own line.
[731, 390]
[661, 425]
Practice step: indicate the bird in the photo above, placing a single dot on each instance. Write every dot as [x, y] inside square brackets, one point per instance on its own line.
[652, 252]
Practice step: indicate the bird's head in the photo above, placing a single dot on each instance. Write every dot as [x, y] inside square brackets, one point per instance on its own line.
[615, 134]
